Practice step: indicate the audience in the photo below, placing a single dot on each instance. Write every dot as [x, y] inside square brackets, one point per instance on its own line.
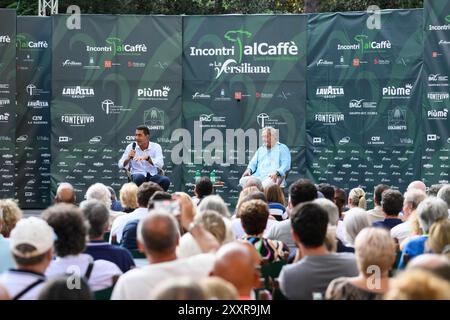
[11, 214]
[377, 213]
[115, 204]
[434, 189]
[97, 218]
[68, 224]
[216, 288]
[275, 198]
[100, 192]
[444, 194]
[357, 199]
[58, 289]
[439, 239]
[65, 193]
[128, 197]
[340, 199]
[216, 203]
[327, 190]
[375, 256]
[254, 215]
[438, 264]
[180, 288]
[309, 278]
[355, 220]
[203, 188]
[417, 184]
[6, 259]
[31, 244]
[392, 204]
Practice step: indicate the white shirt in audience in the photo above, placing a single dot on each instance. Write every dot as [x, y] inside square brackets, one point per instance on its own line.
[187, 247]
[401, 231]
[139, 283]
[15, 281]
[239, 230]
[121, 221]
[376, 214]
[101, 276]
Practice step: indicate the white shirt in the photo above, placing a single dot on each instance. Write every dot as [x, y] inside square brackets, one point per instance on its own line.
[101, 275]
[239, 230]
[15, 281]
[121, 221]
[139, 283]
[187, 247]
[401, 231]
[340, 230]
[142, 167]
[376, 214]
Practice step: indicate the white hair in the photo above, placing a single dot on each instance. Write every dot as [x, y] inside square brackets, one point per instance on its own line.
[64, 185]
[431, 210]
[273, 133]
[216, 203]
[331, 208]
[444, 194]
[99, 192]
[355, 220]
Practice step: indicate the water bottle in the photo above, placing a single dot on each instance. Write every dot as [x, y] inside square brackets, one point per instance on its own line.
[198, 175]
[212, 177]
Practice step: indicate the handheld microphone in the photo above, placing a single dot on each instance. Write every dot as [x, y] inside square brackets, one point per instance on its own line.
[134, 148]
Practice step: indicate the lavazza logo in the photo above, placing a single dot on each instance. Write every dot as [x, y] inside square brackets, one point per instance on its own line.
[393, 92]
[287, 50]
[329, 92]
[437, 114]
[329, 118]
[116, 46]
[37, 104]
[153, 94]
[438, 96]
[78, 92]
[364, 44]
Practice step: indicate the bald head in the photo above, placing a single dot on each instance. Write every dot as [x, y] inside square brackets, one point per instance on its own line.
[417, 185]
[65, 193]
[236, 263]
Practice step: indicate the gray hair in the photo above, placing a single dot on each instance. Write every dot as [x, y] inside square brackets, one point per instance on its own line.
[415, 197]
[331, 208]
[355, 220]
[253, 181]
[64, 185]
[99, 192]
[444, 194]
[431, 210]
[96, 215]
[273, 133]
[216, 203]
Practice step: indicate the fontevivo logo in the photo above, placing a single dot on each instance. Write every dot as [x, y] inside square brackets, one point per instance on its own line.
[329, 118]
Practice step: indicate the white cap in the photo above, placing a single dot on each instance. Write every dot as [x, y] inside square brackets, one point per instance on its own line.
[32, 231]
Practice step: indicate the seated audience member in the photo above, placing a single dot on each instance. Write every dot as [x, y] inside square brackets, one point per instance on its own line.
[100, 192]
[238, 264]
[340, 200]
[254, 215]
[439, 238]
[309, 277]
[416, 230]
[327, 190]
[429, 211]
[145, 191]
[58, 289]
[444, 194]
[115, 204]
[417, 185]
[438, 264]
[179, 288]
[97, 217]
[212, 222]
[373, 247]
[300, 191]
[418, 285]
[65, 193]
[67, 222]
[216, 203]
[332, 243]
[31, 244]
[128, 197]
[203, 188]
[355, 220]
[410, 203]
[253, 182]
[392, 203]
[6, 259]
[216, 288]
[244, 195]
[377, 213]
[158, 235]
[434, 189]
[357, 199]
[236, 224]
[275, 198]
[11, 214]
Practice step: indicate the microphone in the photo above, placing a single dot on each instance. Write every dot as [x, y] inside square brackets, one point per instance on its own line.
[134, 148]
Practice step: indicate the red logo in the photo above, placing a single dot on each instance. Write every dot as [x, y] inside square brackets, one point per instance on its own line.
[258, 94]
[356, 62]
[434, 54]
[376, 61]
[108, 64]
[238, 95]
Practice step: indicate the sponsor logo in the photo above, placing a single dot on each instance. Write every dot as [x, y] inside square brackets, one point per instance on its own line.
[437, 80]
[64, 139]
[199, 95]
[222, 96]
[153, 94]
[231, 66]
[393, 92]
[78, 120]
[397, 119]
[5, 39]
[210, 118]
[376, 140]
[116, 46]
[329, 118]
[317, 140]
[133, 64]
[37, 104]
[344, 140]
[95, 140]
[406, 141]
[154, 119]
[262, 95]
[382, 62]
[437, 114]
[78, 92]
[444, 42]
[438, 96]
[4, 102]
[364, 44]
[432, 137]
[71, 63]
[109, 107]
[357, 104]
[329, 92]
[4, 117]
[38, 120]
[23, 43]
[32, 90]
[325, 63]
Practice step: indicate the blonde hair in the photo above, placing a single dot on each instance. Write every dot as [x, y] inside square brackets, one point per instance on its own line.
[216, 288]
[330, 239]
[355, 220]
[213, 222]
[11, 214]
[244, 193]
[439, 237]
[374, 247]
[358, 198]
[128, 195]
[415, 284]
